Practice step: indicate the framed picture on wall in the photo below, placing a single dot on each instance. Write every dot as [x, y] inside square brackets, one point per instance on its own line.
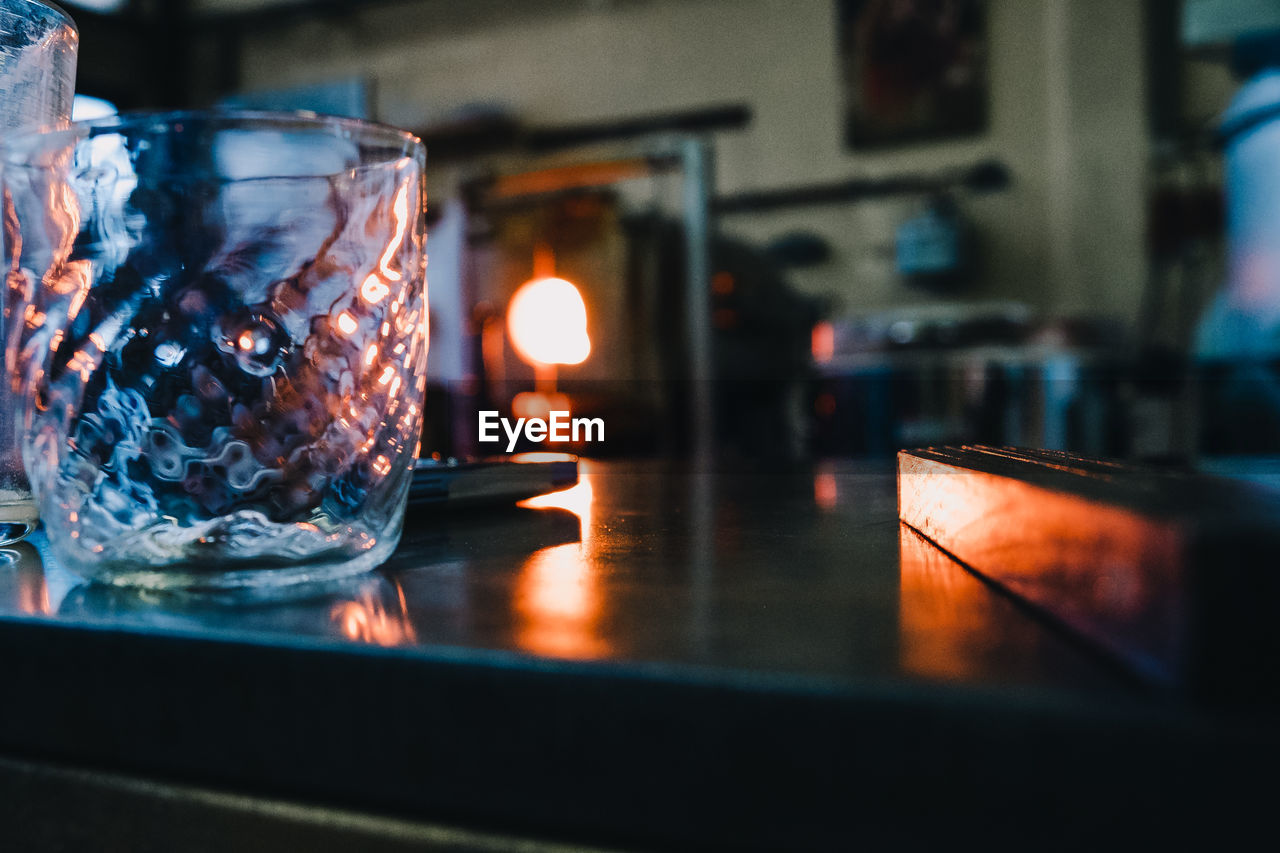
[913, 70]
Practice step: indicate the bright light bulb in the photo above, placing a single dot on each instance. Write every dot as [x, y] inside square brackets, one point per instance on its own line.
[547, 322]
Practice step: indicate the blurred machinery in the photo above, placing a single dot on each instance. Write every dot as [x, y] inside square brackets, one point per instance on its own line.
[961, 374]
[561, 310]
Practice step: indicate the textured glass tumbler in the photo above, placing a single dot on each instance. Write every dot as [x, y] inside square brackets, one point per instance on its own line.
[222, 343]
[38, 46]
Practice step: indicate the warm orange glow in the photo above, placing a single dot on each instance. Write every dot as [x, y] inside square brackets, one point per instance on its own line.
[538, 404]
[387, 375]
[541, 456]
[558, 594]
[246, 342]
[560, 178]
[32, 590]
[347, 324]
[576, 500]
[81, 362]
[826, 494]
[374, 290]
[823, 342]
[369, 619]
[399, 210]
[370, 354]
[1042, 544]
[547, 322]
[946, 619]
[78, 273]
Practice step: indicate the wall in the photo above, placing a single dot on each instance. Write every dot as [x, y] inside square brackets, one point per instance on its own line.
[1067, 116]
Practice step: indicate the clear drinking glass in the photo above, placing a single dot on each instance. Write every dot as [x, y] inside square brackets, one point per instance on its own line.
[38, 45]
[222, 343]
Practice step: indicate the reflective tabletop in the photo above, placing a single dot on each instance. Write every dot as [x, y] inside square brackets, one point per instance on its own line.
[661, 656]
[792, 573]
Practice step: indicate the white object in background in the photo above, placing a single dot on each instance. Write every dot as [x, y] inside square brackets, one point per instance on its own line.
[1243, 321]
[86, 107]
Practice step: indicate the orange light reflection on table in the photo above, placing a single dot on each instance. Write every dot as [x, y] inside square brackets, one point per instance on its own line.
[369, 619]
[557, 595]
[826, 491]
[944, 619]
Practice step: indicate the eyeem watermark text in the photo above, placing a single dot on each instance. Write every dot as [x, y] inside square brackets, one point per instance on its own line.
[560, 427]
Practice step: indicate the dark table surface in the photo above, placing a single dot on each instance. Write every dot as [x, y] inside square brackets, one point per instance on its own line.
[659, 656]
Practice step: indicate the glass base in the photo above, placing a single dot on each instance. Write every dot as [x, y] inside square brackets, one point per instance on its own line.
[14, 531]
[267, 582]
[18, 516]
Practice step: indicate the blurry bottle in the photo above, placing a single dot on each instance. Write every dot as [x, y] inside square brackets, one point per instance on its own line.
[1238, 340]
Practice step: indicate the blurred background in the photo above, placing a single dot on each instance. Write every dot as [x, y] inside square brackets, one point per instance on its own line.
[802, 228]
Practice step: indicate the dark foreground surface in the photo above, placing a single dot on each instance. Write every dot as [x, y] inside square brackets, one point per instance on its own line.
[658, 658]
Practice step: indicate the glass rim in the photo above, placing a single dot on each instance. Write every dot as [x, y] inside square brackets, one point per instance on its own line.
[169, 120]
[57, 10]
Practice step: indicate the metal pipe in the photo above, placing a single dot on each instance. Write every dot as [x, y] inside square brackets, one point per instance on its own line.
[697, 191]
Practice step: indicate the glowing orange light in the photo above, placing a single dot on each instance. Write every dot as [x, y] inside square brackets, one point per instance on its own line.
[558, 593]
[576, 500]
[76, 279]
[823, 342]
[537, 404]
[370, 354]
[33, 591]
[368, 619]
[826, 494]
[399, 210]
[542, 456]
[387, 375]
[346, 323]
[547, 322]
[374, 290]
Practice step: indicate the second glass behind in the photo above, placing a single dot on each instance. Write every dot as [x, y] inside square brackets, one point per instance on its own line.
[221, 345]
